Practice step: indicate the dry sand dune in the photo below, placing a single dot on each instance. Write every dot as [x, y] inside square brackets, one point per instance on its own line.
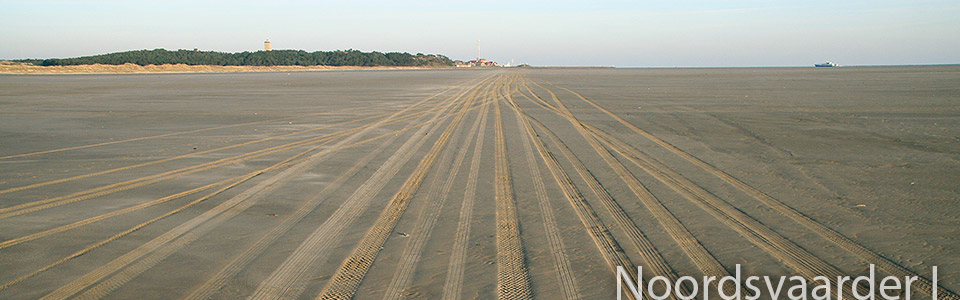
[22, 68]
[473, 184]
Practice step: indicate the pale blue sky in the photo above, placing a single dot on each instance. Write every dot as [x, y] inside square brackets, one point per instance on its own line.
[608, 33]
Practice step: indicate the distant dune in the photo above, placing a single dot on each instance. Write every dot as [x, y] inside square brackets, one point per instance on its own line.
[23, 68]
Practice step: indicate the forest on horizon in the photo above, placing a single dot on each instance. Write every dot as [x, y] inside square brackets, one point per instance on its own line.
[259, 58]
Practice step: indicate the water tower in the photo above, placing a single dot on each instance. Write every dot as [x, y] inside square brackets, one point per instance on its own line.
[266, 45]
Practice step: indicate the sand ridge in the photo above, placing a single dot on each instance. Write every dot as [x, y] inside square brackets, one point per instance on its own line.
[22, 68]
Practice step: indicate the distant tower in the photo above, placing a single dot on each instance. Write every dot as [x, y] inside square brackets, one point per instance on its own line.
[266, 45]
[478, 49]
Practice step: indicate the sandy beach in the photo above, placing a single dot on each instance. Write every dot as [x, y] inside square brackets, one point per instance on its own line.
[470, 184]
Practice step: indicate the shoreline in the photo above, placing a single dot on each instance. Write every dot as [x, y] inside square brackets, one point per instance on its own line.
[129, 68]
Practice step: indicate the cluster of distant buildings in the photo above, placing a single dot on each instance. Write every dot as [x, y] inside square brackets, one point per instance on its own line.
[480, 62]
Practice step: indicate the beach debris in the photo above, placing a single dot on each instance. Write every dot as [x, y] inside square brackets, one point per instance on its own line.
[403, 233]
[272, 215]
[195, 147]
[861, 205]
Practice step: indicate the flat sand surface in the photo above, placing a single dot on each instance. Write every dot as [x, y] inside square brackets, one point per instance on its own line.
[472, 184]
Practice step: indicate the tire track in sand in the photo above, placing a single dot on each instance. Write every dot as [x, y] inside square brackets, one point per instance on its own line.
[568, 284]
[172, 134]
[181, 235]
[604, 239]
[240, 179]
[143, 205]
[344, 283]
[453, 284]
[135, 228]
[67, 179]
[192, 154]
[240, 261]
[702, 258]
[287, 280]
[30, 237]
[130, 257]
[513, 282]
[772, 242]
[158, 255]
[34, 206]
[435, 200]
[925, 286]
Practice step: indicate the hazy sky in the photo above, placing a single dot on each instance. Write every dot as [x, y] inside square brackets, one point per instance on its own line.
[609, 33]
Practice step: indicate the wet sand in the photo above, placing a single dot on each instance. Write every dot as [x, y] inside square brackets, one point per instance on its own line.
[470, 184]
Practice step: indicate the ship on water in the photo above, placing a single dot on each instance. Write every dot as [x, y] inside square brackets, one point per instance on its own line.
[827, 64]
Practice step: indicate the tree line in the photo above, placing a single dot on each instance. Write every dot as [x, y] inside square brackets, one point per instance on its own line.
[259, 58]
